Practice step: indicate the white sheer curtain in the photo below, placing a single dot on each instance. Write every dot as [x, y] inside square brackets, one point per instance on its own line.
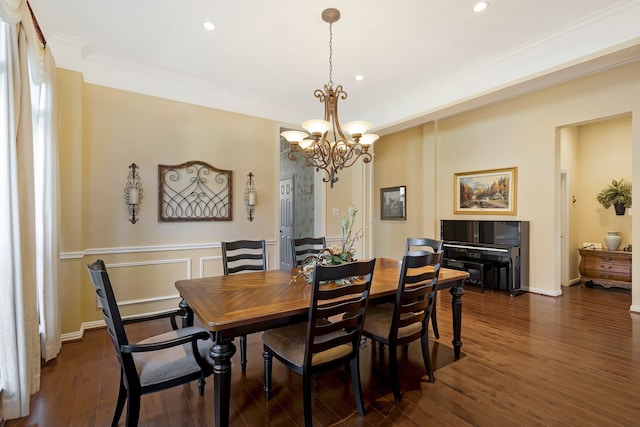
[28, 247]
[46, 207]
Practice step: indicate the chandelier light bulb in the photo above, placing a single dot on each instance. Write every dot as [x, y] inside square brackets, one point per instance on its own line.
[368, 139]
[317, 127]
[294, 136]
[356, 127]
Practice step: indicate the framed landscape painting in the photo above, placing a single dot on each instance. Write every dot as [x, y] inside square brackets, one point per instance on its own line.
[486, 192]
[393, 203]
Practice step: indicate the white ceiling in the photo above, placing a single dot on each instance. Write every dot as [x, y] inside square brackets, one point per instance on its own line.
[421, 59]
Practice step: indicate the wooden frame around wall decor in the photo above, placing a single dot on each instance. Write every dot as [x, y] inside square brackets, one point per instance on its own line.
[194, 191]
[490, 192]
[393, 203]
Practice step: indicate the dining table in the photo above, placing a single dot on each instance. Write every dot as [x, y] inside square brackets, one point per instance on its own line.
[235, 305]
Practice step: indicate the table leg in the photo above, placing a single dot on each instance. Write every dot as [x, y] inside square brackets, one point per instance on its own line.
[456, 310]
[434, 317]
[221, 353]
[187, 315]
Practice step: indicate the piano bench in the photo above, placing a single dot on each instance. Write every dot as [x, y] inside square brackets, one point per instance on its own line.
[480, 271]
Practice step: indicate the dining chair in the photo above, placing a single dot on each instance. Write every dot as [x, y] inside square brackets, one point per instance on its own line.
[406, 320]
[331, 336]
[155, 363]
[243, 256]
[306, 246]
[422, 246]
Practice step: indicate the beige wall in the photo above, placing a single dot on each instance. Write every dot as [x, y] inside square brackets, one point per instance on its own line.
[103, 131]
[521, 132]
[405, 159]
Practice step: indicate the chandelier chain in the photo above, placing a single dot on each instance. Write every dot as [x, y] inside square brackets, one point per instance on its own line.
[330, 55]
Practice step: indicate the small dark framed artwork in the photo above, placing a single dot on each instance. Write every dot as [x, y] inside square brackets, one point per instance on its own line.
[393, 203]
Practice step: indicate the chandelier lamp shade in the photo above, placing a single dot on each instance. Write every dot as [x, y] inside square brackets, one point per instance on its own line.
[326, 145]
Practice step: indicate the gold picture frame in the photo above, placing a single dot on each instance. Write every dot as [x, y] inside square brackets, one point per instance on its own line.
[488, 192]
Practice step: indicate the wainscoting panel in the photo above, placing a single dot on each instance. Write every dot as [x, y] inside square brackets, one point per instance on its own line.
[211, 266]
[143, 279]
[147, 281]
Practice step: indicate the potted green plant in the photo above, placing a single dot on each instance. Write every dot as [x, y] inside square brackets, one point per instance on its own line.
[618, 194]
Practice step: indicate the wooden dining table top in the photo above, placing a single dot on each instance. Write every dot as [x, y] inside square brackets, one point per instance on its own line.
[235, 301]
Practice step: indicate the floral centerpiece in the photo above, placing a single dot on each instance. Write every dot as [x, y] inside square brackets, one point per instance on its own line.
[335, 254]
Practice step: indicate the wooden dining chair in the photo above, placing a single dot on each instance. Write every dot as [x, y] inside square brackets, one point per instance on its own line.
[406, 320]
[331, 336]
[306, 246]
[243, 256]
[153, 364]
[422, 246]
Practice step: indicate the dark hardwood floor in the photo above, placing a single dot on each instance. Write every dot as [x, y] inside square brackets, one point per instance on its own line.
[528, 360]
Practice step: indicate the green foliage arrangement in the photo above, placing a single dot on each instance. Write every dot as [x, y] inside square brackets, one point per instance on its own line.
[617, 193]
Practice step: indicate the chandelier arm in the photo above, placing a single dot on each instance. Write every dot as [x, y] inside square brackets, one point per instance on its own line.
[292, 155]
[345, 155]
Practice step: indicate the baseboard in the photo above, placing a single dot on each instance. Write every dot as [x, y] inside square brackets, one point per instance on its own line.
[545, 292]
[635, 309]
[75, 336]
[572, 282]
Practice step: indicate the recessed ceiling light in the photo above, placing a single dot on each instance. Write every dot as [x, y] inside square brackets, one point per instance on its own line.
[208, 26]
[480, 6]
[359, 77]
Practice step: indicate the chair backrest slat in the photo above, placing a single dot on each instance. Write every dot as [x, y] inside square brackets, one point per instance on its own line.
[306, 246]
[243, 256]
[422, 246]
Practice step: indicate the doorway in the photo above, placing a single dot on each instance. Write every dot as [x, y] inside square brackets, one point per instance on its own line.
[286, 222]
[297, 215]
[591, 155]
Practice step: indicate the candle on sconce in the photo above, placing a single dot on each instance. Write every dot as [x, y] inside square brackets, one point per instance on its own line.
[252, 198]
[133, 196]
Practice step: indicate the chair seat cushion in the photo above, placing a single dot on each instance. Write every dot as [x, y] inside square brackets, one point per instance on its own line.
[289, 343]
[162, 365]
[377, 322]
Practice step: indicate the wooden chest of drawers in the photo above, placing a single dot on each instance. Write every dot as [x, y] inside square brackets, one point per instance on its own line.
[605, 268]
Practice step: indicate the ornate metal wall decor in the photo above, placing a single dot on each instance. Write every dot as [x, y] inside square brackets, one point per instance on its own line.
[133, 193]
[250, 196]
[194, 191]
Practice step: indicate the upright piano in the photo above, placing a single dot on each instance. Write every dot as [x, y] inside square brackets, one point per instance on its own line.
[495, 253]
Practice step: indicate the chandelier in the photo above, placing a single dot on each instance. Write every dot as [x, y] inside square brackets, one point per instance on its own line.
[326, 147]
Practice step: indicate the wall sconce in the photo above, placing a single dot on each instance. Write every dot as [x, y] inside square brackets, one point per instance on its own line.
[133, 193]
[250, 196]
